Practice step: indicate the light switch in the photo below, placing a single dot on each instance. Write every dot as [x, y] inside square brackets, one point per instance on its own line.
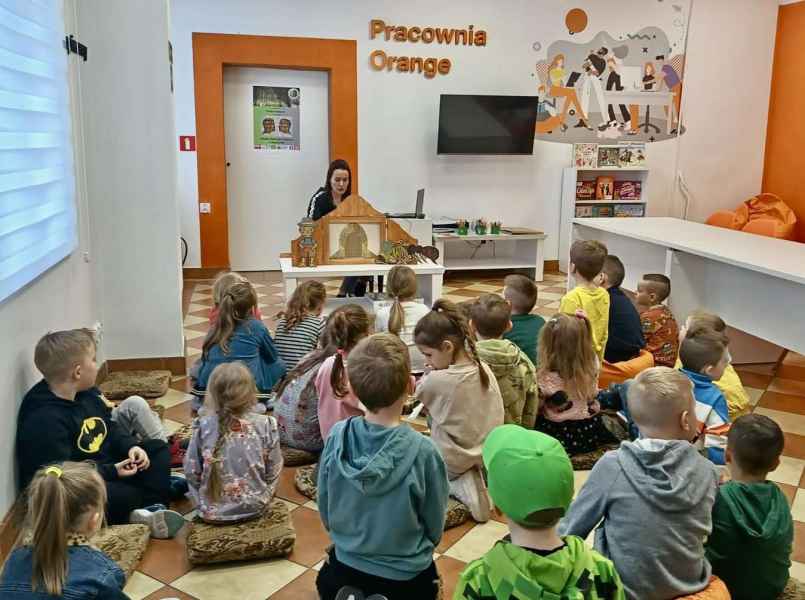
[204, 208]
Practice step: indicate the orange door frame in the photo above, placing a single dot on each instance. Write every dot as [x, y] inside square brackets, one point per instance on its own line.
[213, 51]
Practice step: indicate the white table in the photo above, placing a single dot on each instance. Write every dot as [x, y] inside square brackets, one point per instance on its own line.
[501, 251]
[755, 283]
[644, 98]
[430, 277]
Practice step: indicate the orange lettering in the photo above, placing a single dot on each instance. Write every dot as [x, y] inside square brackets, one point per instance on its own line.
[390, 62]
[463, 34]
[389, 29]
[480, 38]
[416, 62]
[444, 36]
[430, 68]
[413, 34]
[400, 34]
[427, 35]
[470, 36]
[444, 66]
[376, 26]
[402, 64]
[373, 62]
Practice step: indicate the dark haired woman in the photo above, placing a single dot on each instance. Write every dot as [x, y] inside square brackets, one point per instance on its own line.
[337, 187]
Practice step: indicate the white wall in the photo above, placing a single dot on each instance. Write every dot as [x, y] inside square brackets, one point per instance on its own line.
[398, 113]
[131, 175]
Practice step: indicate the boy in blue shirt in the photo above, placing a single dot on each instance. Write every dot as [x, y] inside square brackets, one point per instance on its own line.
[382, 487]
[704, 357]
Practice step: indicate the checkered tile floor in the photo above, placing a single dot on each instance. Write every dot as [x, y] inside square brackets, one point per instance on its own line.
[165, 572]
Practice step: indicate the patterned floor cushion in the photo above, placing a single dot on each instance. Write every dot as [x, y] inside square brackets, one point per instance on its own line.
[795, 590]
[293, 457]
[265, 537]
[119, 385]
[305, 481]
[457, 514]
[586, 461]
[124, 544]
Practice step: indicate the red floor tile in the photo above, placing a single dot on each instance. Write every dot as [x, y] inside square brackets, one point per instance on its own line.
[180, 413]
[789, 490]
[452, 535]
[791, 372]
[762, 368]
[787, 386]
[754, 380]
[286, 488]
[783, 402]
[166, 560]
[449, 569]
[312, 539]
[169, 592]
[798, 554]
[301, 588]
[794, 446]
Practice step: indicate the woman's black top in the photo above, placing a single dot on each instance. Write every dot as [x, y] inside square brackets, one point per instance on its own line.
[320, 204]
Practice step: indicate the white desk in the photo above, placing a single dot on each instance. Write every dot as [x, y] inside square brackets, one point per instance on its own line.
[644, 98]
[755, 283]
[429, 277]
[501, 251]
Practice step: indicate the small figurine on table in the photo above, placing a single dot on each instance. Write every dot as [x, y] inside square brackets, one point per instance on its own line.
[480, 227]
[307, 244]
[494, 227]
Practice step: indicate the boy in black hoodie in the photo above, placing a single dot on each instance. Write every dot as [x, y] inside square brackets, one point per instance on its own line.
[63, 418]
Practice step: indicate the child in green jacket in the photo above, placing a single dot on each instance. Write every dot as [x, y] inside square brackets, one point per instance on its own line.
[531, 482]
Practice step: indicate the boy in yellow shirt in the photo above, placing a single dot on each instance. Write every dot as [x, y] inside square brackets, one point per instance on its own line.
[729, 383]
[586, 264]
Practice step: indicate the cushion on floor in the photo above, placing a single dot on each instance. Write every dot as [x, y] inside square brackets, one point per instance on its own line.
[717, 590]
[119, 385]
[795, 590]
[267, 536]
[124, 544]
[305, 481]
[293, 457]
[457, 513]
[586, 461]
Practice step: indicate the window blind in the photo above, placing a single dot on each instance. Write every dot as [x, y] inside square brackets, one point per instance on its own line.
[37, 192]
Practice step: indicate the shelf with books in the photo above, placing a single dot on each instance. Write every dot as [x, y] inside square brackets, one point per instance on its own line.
[580, 201]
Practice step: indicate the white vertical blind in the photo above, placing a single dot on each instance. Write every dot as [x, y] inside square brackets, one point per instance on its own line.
[37, 191]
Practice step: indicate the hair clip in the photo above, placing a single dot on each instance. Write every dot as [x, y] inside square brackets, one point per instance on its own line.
[342, 353]
[54, 471]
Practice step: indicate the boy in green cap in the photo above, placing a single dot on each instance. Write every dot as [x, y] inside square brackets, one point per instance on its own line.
[531, 482]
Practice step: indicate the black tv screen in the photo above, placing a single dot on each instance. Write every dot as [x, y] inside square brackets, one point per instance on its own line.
[486, 124]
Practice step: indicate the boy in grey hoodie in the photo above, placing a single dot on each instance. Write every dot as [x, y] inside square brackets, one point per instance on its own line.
[655, 495]
[382, 487]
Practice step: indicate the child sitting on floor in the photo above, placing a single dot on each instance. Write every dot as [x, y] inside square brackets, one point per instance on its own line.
[463, 401]
[401, 318]
[64, 418]
[568, 385]
[750, 547]
[233, 462]
[655, 495]
[237, 336]
[54, 557]
[514, 372]
[300, 325]
[345, 328]
[729, 383]
[382, 487]
[521, 293]
[533, 558]
[586, 264]
[220, 286]
[659, 326]
[704, 357]
[625, 339]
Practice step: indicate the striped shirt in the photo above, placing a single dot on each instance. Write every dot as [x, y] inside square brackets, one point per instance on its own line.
[294, 344]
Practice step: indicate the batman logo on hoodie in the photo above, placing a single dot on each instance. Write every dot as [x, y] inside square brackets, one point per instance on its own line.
[91, 435]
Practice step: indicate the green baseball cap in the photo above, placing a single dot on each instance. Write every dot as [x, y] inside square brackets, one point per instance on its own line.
[528, 472]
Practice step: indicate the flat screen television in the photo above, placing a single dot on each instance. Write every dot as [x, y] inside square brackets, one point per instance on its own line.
[470, 124]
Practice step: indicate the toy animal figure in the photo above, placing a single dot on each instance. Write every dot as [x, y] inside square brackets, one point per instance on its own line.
[397, 253]
[307, 244]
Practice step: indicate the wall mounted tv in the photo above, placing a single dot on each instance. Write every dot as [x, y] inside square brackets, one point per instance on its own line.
[471, 124]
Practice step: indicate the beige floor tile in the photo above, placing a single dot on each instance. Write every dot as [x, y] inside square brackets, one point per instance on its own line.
[788, 422]
[580, 478]
[193, 351]
[197, 307]
[797, 571]
[789, 471]
[291, 505]
[190, 334]
[244, 581]
[171, 426]
[553, 305]
[482, 287]
[754, 395]
[194, 320]
[311, 505]
[199, 296]
[453, 298]
[139, 586]
[317, 567]
[477, 541]
[798, 508]
[549, 296]
[172, 398]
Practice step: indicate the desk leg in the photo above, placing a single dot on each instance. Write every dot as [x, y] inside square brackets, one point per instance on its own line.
[290, 287]
[439, 245]
[539, 274]
[436, 282]
[634, 112]
[669, 125]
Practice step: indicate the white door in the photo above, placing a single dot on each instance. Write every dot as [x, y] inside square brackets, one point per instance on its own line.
[268, 190]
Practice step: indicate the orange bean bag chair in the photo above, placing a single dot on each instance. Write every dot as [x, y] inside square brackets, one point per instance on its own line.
[622, 371]
[765, 214]
[717, 590]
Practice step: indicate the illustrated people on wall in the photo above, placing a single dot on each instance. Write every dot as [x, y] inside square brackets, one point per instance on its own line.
[614, 83]
[593, 67]
[671, 80]
[649, 76]
[556, 77]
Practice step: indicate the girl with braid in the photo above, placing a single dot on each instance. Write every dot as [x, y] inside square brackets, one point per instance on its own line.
[463, 401]
[233, 462]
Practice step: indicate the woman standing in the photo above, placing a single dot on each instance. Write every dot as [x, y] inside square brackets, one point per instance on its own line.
[337, 187]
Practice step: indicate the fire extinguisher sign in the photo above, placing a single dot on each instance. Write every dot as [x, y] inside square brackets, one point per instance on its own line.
[187, 143]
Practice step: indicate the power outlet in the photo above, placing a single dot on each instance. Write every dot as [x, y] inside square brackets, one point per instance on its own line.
[204, 208]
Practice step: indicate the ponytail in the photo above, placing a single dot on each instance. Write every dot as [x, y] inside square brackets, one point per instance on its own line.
[446, 322]
[346, 327]
[60, 499]
[233, 393]
[307, 298]
[401, 284]
[237, 305]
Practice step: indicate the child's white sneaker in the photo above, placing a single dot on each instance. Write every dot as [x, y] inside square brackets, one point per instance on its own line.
[164, 524]
[470, 489]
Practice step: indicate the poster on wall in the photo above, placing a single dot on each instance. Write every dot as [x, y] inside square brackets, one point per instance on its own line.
[276, 117]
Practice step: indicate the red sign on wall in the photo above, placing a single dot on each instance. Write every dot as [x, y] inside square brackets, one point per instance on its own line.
[187, 143]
